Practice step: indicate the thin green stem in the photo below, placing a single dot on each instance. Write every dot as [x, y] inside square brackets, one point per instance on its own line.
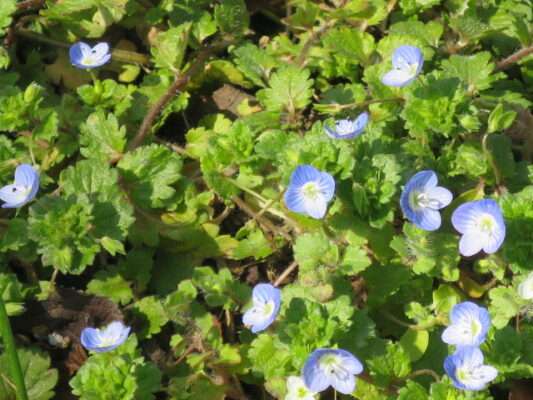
[11, 351]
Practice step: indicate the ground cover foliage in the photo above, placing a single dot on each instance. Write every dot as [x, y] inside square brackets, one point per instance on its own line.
[162, 180]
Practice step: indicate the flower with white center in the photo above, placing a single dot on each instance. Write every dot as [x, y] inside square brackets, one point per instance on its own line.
[466, 369]
[525, 289]
[86, 57]
[296, 389]
[331, 367]
[482, 226]
[348, 129]
[407, 62]
[421, 200]
[23, 190]
[106, 339]
[267, 300]
[469, 325]
[309, 191]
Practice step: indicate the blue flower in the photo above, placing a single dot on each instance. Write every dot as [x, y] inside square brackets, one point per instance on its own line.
[422, 198]
[331, 367]
[267, 300]
[407, 62]
[469, 325]
[107, 339]
[466, 370]
[23, 190]
[348, 129]
[86, 57]
[309, 191]
[482, 226]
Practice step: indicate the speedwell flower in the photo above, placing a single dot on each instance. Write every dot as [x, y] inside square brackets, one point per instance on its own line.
[482, 225]
[309, 191]
[466, 369]
[296, 389]
[469, 325]
[106, 339]
[267, 300]
[331, 367]
[346, 128]
[407, 62]
[422, 198]
[86, 57]
[23, 190]
[525, 289]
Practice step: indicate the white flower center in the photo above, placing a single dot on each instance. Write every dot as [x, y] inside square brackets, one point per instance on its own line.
[310, 190]
[486, 224]
[87, 60]
[419, 200]
[412, 68]
[265, 310]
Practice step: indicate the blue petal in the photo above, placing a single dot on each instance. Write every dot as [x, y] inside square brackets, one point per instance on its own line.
[344, 385]
[428, 219]
[25, 175]
[90, 338]
[100, 51]
[404, 56]
[316, 208]
[264, 292]
[440, 195]
[303, 174]
[470, 244]
[314, 377]
[77, 52]
[326, 183]
[357, 127]
[294, 199]
[397, 78]
[350, 362]
[13, 196]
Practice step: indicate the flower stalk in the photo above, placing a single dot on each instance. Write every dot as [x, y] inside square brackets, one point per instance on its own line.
[11, 352]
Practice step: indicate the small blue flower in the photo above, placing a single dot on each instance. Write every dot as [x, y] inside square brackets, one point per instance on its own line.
[348, 129]
[407, 62]
[23, 190]
[422, 198]
[267, 300]
[466, 370]
[482, 226]
[309, 191]
[86, 57]
[469, 325]
[107, 339]
[331, 367]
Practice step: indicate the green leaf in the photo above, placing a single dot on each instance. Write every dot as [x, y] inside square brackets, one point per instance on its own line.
[256, 64]
[314, 249]
[62, 229]
[350, 43]
[504, 305]
[151, 315]
[112, 285]
[220, 289]
[415, 343]
[290, 89]
[149, 173]
[39, 378]
[474, 71]
[101, 137]
[394, 363]
[169, 47]
[499, 119]
[7, 8]
[253, 245]
[119, 374]
[12, 294]
[412, 391]
[232, 16]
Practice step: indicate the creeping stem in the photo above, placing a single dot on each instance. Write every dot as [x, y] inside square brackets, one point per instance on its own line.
[11, 351]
